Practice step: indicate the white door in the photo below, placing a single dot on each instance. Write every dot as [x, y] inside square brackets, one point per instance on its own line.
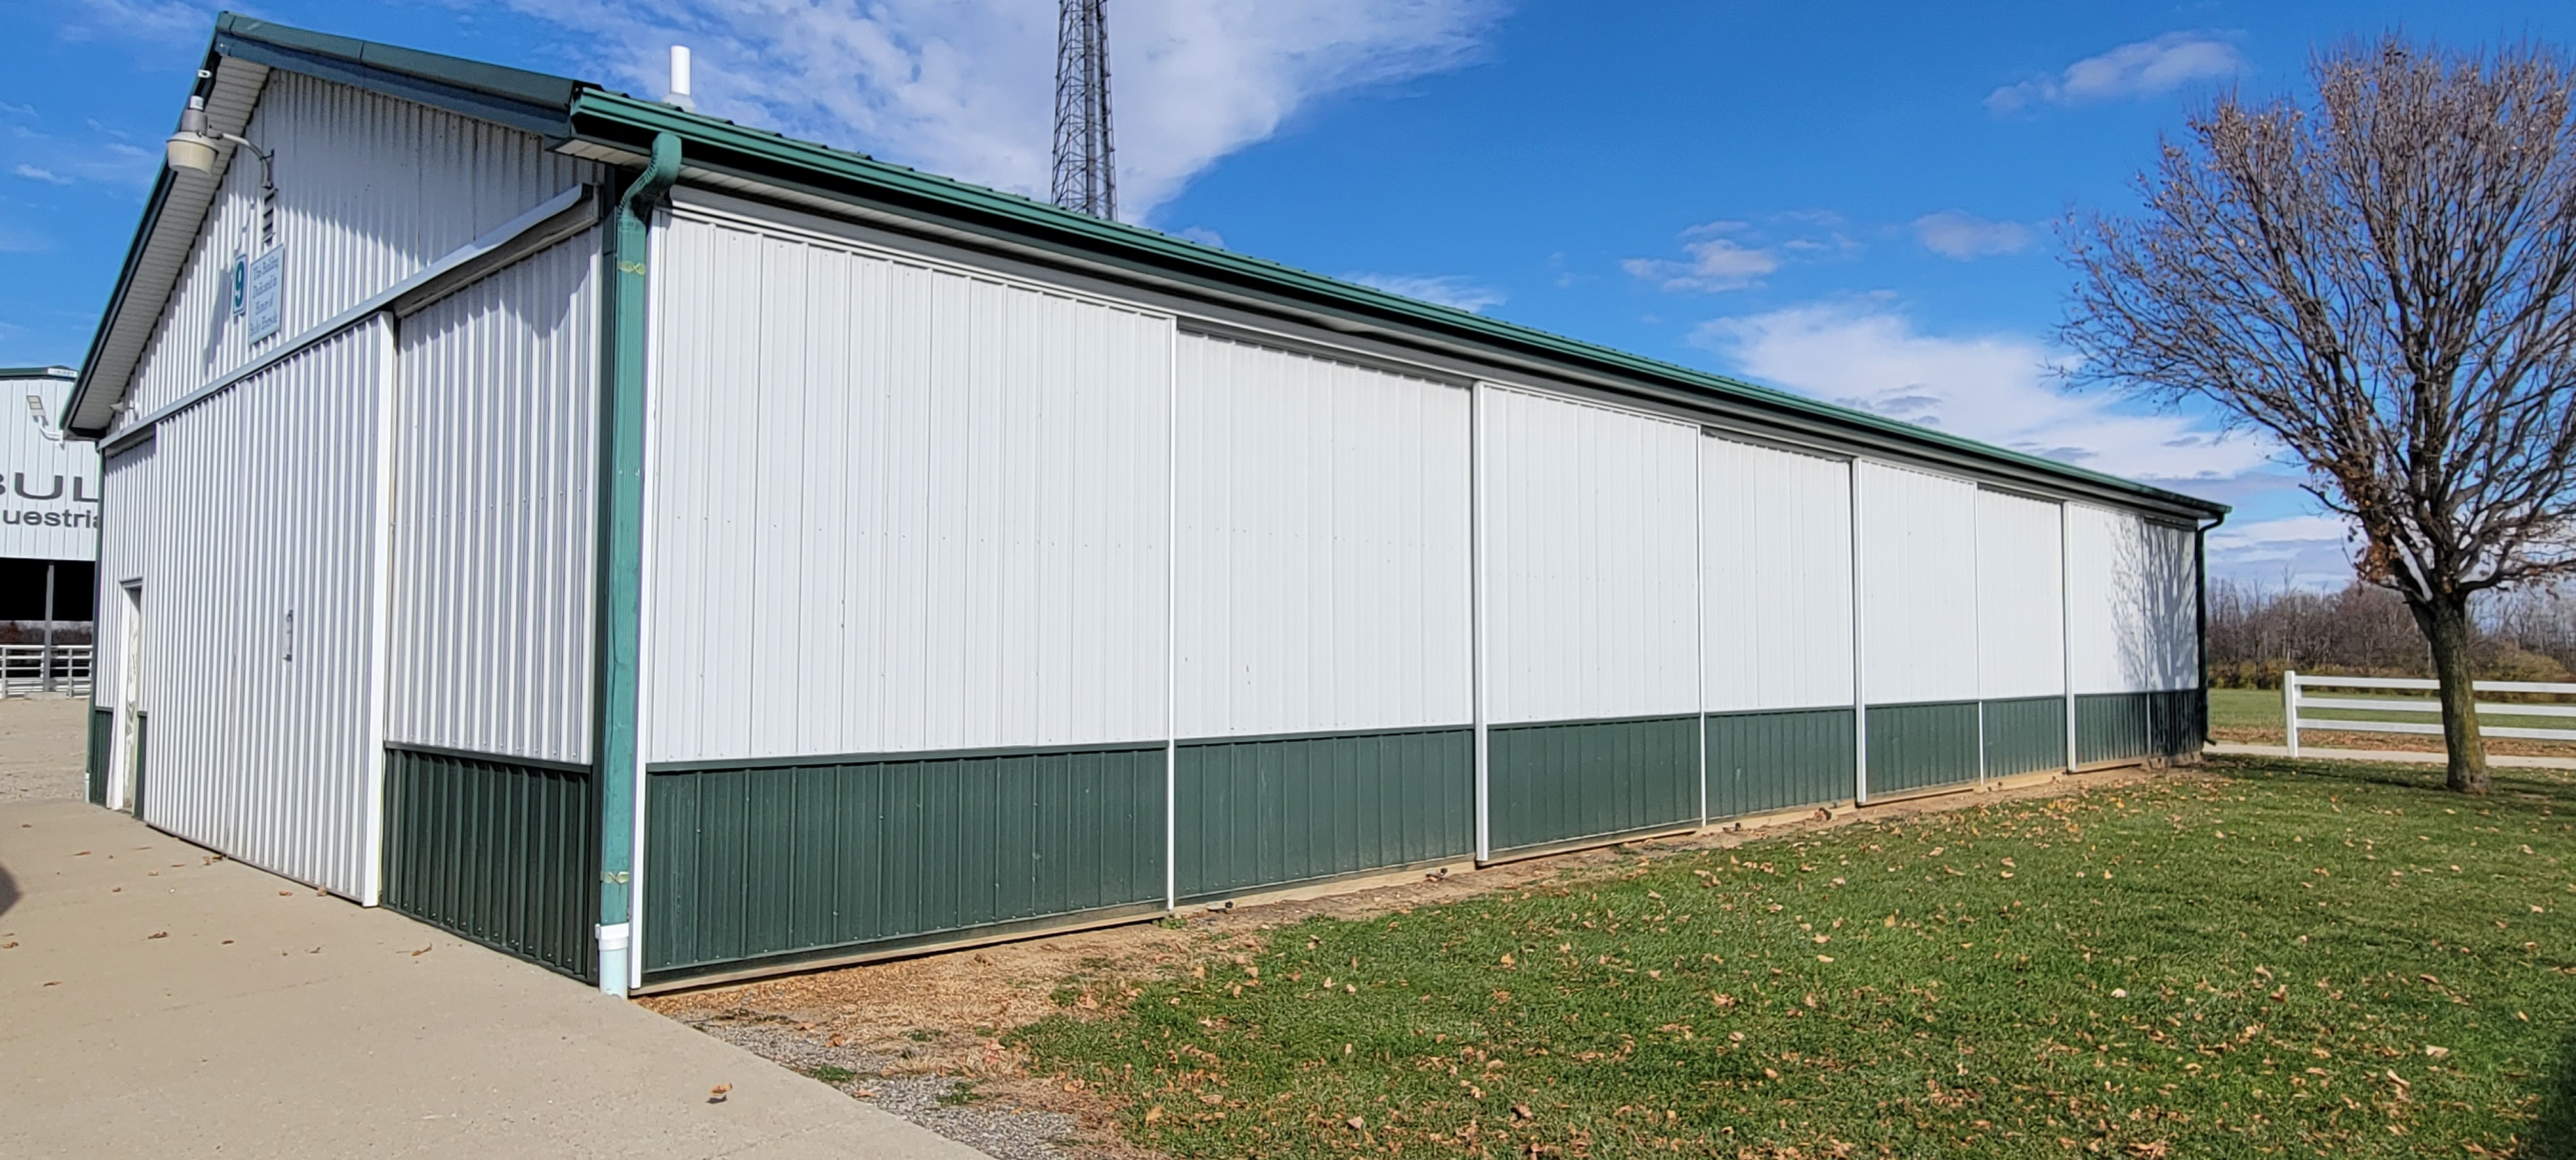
[129, 707]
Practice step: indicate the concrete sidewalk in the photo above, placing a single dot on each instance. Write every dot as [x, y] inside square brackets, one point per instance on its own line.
[156, 1002]
[2318, 753]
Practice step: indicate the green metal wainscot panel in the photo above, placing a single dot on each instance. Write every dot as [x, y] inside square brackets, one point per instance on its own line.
[1915, 747]
[773, 862]
[102, 739]
[1778, 760]
[2114, 727]
[1259, 812]
[1557, 783]
[2025, 735]
[499, 850]
[2178, 722]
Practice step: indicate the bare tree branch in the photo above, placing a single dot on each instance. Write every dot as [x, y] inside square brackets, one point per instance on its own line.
[2384, 279]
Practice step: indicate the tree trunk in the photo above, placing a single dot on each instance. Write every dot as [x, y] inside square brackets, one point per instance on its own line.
[2445, 621]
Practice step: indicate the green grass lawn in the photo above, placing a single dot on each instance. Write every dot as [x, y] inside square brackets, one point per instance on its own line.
[2309, 960]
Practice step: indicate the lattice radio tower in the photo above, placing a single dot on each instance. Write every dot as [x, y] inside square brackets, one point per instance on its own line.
[1086, 175]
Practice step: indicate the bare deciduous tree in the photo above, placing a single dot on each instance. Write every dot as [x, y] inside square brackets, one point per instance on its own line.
[2384, 279]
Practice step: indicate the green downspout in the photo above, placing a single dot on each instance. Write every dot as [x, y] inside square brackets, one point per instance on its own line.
[621, 560]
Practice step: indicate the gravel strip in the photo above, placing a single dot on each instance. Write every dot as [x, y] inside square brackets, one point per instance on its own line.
[944, 1104]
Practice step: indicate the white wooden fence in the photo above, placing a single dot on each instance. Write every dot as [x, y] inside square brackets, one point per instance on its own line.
[2293, 700]
[23, 669]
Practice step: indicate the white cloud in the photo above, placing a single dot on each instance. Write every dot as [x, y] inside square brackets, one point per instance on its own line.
[966, 87]
[139, 20]
[1733, 255]
[2307, 551]
[1447, 289]
[1202, 235]
[2142, 68]
[1994, 388]
[38, 173]
[1955, 234]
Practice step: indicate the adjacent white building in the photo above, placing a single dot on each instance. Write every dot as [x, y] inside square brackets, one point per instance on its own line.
[665, 549]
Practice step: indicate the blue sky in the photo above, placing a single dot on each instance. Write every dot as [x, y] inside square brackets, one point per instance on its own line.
[1856, 201]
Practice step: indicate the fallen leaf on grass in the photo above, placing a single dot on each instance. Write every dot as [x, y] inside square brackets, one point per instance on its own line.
[1153, 1113]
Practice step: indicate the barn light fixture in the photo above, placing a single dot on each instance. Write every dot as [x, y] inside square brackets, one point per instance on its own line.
[192, 148]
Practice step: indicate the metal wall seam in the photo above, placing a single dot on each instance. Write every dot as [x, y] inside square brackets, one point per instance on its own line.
[1860, 647]
[1171, 620]
[493, 573]
[1699, 616]
[346, 232]
[1479, 408]
[379, 607]
[2066, 618]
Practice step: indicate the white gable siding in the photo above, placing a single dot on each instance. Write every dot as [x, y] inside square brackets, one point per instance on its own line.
[370, 190]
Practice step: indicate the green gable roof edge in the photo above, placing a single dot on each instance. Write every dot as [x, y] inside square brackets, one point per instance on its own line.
[627, 123]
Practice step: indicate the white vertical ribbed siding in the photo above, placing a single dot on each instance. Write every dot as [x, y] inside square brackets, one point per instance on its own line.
[2134, 603]
[1322, 514]
[254, 755]
[1918, 595]
[126, 484]
[1591, 584]
[496, 430]
[370, 190]
[1777, 582]
[2021, 619]
[2168, 594]
[946, 529]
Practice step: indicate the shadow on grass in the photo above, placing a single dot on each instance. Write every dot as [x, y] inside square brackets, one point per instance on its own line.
[2513, 785]
[2554, 1137]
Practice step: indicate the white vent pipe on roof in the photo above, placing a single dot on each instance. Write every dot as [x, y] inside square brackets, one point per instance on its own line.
[679, 96]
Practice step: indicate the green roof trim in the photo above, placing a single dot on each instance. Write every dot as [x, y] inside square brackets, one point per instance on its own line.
[527, 100]
[628, 123]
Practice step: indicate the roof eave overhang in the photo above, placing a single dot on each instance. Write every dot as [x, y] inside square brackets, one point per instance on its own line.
[612, 125]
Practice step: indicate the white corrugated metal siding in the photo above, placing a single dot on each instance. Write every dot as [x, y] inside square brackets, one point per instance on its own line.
[264, 757]
[1591, 537]
[124, 548]
[48, 484]
[370, 190]
[949, 529]
[1918, 536]
[1322, 572]
[2021, 610]
[1775, 554]
[2133, 603]
[496, 426]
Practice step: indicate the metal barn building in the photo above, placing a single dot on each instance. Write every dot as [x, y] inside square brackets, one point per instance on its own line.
[668, 550]
[48, 539]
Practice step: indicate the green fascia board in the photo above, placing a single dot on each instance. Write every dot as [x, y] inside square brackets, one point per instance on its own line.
[626, 123]
[466, 85]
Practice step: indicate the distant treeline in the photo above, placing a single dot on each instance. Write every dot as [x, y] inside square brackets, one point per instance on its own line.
[2364, 630]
